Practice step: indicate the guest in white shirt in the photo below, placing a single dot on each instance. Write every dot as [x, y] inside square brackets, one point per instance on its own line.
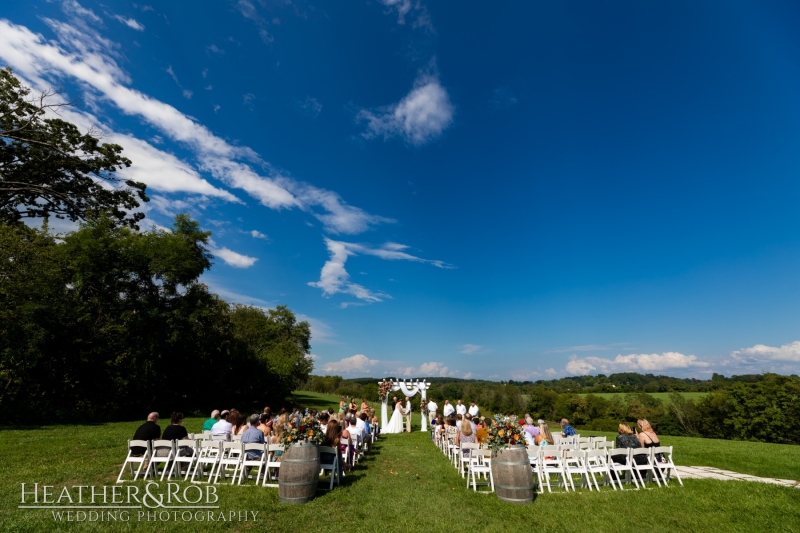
[432, 408]
[473, 409]
[461, 409]
[361, 426]
[471, 423]
[222, 429]
[449, 410]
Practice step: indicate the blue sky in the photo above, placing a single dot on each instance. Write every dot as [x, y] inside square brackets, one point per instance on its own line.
[515, 190]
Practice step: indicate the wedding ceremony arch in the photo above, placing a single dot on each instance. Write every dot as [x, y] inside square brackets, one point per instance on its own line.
[408, 388]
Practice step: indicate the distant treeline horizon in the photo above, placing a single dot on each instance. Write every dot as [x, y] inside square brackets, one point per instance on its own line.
[762, 407]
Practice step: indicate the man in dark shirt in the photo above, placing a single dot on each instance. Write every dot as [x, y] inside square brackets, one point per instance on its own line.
[150, 430]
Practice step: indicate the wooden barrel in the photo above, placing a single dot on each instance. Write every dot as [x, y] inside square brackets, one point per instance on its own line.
[299, 475]
[513, 478]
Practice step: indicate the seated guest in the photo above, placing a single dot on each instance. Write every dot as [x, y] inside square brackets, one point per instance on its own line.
[175, 431]
[222, 429]
[465, 436]
[265, 424]
[333, 438]
[649, 439]
[150, 430]
[544, 438]
[483, 431]
[253, 435]
[208, 424]
[375, 423]
[361, 425]
[439, 432]
[451, 430]
[626, 439]
[354, 430]
[566, 429]
[239, 422]
[347, 448]
[366, 428]
[323, 422]
[530, 428]
[468, 418]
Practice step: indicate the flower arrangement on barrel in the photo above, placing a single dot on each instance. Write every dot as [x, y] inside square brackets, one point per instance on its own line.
[504, 433]
[383, 389]
[307, 430]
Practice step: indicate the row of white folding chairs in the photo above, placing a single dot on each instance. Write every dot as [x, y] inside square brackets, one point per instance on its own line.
[565, 461]
[648, 464]
[226, 459]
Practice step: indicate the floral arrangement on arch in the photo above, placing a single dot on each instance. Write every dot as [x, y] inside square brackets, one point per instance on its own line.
[307, 430]
[384, 387]
[504, 433]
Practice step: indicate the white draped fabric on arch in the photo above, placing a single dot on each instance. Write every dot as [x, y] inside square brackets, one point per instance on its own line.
[408, 388]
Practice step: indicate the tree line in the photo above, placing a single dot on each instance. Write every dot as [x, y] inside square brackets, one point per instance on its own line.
[110, 322]
[763, 407]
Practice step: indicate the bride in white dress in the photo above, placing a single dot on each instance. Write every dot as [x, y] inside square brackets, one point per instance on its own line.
[395, 424]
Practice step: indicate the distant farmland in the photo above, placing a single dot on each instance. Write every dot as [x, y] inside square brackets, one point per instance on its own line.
[663, 396]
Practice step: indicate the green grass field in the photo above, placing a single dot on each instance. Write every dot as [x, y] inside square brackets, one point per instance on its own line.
[663, 396]
[407, 485]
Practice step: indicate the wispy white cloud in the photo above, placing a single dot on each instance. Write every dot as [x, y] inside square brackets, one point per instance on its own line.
[356, 364]
[420, 117]
[335, 279]
[131, 23]
[230, 257]
[321, 331]
[310, 106]
[634, 363]
[249, 11]
[88, 60]
[470, 348]
[404, 8]
[762, 353]
[258, 235]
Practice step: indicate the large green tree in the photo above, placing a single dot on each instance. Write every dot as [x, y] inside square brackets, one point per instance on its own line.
[48, 167]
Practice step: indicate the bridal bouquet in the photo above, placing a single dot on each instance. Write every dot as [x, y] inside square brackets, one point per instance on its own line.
[306, 430]
[504, 433]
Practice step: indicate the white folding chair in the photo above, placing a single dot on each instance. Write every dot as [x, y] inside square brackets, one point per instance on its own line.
[132, 459]
[575, 463]
[231, 457]
[550, 463]
[163, 452]
[622, 454]
[188, 460]
[646, 466]
[248, 464]
[482, 467]
[466, 448]
[273, 463]
[597, 463]
[533, 459]
[604, 444]
[210, 454]
[333, 467]
[664, 467]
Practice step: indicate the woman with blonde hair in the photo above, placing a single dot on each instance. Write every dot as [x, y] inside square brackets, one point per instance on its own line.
[544, 438]
[465, 436]
[649, 439]
[625, 439]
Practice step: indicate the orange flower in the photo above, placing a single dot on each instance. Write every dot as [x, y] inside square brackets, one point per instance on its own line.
[288, 439]
[516, 437]
[310, 433]
[500, 433]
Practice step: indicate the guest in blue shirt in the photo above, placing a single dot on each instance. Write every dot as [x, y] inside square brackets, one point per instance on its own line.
[253, 435]
[566, 429]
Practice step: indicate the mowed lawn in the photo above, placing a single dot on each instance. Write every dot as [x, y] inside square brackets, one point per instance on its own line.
[405, 485]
